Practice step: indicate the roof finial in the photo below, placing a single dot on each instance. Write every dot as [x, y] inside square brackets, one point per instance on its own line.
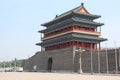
[82, 4]
[56, 16]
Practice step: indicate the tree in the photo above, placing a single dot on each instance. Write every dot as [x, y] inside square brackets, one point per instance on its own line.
[13, 63]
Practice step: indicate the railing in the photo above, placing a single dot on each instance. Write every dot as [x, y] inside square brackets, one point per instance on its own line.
[110, 48]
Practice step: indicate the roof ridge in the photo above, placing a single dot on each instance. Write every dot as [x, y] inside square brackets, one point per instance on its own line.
[69, 11]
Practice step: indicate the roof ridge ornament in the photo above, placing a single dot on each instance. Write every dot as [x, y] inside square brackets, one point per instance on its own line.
[56, 16]
[82, 4]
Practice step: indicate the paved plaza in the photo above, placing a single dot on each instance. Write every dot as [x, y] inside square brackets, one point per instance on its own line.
[55, 76]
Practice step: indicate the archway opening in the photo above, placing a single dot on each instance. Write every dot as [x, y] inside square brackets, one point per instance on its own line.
[49, 67]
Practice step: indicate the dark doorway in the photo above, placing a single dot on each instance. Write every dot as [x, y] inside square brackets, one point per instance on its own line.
[49, 67]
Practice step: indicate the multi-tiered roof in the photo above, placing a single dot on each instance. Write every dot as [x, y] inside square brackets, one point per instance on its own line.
[76, 26]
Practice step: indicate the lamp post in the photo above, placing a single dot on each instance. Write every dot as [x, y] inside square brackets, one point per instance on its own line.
[107, 59]
[98, 61]
[91, 61]
[116, 59]
[15, 64]
[119, 56]
[80, 50]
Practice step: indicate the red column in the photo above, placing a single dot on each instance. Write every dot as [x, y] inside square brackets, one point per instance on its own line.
[90, 45]
[96, 46]
[93, 46]
[77, 44]
[82, 44]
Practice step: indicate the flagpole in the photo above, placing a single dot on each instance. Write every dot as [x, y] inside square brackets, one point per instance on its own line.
[107, 60]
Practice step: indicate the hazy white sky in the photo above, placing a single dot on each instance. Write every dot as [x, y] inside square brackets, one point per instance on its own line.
[20, 22]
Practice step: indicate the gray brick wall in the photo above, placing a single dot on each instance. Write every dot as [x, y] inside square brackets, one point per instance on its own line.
[68, 60]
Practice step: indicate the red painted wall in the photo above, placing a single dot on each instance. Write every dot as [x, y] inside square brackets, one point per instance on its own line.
[70, 29]
[70, 44]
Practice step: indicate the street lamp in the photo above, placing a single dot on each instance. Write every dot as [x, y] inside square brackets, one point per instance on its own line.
[80, 50]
